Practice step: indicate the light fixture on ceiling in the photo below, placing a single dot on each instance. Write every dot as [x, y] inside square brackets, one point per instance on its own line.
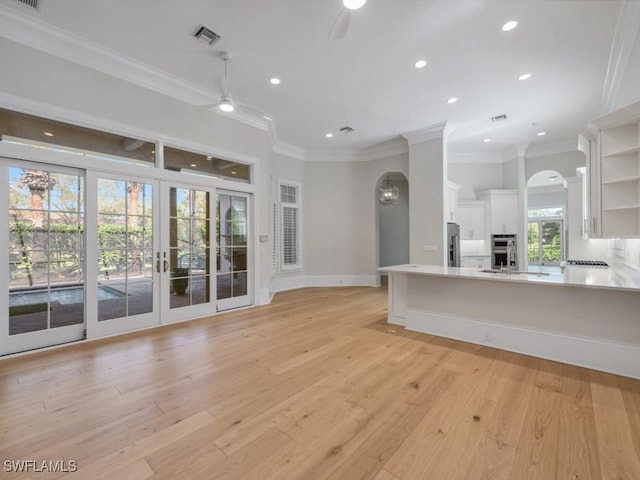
[48, 134]
[353, 4]
[421, 64]
[329, 135]
[226, 104]
[275, 81]
[388, 193]
[510, 25]
[541, 134]
[524, 76]
[452, 100]
[486, 140]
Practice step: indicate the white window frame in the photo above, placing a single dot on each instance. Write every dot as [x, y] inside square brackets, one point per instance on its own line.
[282, 205]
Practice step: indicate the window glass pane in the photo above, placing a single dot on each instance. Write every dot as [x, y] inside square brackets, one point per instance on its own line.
[183, 161]
[21, 128]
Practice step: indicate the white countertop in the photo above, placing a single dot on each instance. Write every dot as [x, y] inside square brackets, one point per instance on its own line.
[622, 278]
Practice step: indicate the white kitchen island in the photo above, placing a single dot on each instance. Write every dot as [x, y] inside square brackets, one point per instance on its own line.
[583, 316]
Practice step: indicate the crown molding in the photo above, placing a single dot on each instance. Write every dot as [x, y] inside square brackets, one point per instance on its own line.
[624, 40]
[39, 35]
[425, 134]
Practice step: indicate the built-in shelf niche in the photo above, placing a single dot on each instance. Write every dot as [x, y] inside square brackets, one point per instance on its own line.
[619, 159]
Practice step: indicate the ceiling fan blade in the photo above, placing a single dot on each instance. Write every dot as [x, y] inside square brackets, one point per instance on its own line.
[341, 25]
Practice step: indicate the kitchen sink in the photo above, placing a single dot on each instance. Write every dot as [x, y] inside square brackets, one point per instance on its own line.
[514, 272]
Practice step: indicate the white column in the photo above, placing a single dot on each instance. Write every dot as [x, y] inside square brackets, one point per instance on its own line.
[427, 194]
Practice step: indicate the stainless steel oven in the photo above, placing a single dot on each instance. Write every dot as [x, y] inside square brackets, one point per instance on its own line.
[504, 250]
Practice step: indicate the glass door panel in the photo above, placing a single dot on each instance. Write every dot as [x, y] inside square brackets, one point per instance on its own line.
[46, 228]
[545, 242]
[188, 246]
[125, 280]
[233, 250]
[533, 243]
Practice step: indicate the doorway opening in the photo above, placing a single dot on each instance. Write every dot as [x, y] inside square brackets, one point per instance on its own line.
[393, 223]
[546, 210]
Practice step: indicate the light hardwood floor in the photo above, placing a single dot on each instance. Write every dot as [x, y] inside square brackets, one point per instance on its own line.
[316, 385]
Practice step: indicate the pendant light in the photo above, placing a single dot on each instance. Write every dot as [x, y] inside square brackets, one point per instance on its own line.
[226, 104]
[388, 193]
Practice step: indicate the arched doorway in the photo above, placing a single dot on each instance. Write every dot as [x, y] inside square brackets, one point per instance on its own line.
[546, 219]
[393, 222]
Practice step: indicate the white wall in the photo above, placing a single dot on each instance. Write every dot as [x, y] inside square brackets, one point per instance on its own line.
[510, 178]
[474, 177]
[545, 198]
[563, 163]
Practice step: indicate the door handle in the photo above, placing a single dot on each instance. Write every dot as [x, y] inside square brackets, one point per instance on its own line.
[158, 266]
[166, 266]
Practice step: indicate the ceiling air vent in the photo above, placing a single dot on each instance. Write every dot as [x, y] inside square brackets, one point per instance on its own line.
[30, 3]
[346, 129]
[499, 118]
[207, 36]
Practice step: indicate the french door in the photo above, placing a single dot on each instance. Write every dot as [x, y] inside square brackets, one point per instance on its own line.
[122, 239]
[93, 254]
[545, 242]
[44, 229]
[186, 253]
[233, 252]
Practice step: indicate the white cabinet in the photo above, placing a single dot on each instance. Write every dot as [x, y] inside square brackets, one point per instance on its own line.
[452, 202]
[501, 211]
[471, 220]
[618, 171]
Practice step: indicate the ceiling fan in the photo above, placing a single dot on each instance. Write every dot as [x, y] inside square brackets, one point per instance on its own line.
[341, 25]
[226, 104]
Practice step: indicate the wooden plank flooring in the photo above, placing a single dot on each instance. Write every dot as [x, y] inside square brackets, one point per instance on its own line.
[314, 386]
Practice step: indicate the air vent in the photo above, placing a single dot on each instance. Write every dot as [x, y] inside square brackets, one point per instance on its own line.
[499, 118]
[346, 129]
[207, 36]
[30, 3]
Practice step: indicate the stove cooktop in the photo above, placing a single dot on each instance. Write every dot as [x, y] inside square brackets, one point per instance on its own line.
[588, 263]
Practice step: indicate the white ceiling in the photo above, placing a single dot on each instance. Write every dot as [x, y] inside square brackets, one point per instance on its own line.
[367, 80]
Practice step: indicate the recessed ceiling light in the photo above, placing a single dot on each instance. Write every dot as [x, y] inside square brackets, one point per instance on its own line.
[421, 64]
[452, 100]
[329, 135]
[510, 25]
[48, 134]
[275, 81]
[524, 76]
[353, 4]
[486, 140]
[233, 172]
[208, 158]
[194, 164]
[540, 134]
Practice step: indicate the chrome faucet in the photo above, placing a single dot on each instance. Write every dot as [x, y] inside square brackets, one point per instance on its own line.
[511, 255]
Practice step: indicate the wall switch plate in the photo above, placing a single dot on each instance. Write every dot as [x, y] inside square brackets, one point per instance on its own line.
[430, 248]
[264, 238]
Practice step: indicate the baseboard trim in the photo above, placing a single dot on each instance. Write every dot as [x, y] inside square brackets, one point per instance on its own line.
[290, 283]
[608, 356]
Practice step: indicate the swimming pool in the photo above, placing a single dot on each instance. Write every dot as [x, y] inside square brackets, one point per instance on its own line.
[64, 296]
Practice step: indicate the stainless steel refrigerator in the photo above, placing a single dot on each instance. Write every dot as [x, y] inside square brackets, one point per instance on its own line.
[453, 244]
